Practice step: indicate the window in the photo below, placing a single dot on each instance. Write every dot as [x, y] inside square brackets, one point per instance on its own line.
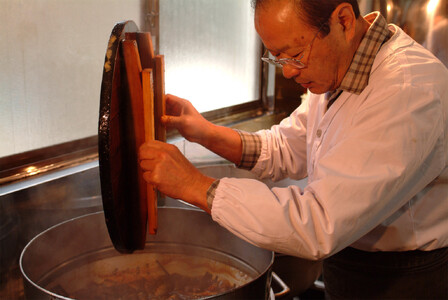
[211, 51]
[51, 59]
[52, 53]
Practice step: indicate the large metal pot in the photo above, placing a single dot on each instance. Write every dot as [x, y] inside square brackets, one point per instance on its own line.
[68, 255]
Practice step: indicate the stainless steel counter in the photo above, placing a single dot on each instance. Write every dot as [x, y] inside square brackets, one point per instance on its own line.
[30, 206]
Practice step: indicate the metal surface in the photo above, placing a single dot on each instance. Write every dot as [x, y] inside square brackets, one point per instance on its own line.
[152, 22]
[38, 206]
[426, 21]
[285, 289]
[16, 168]
[73, 239]
[229, 170]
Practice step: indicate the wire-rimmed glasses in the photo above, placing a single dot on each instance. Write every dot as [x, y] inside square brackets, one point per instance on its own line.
[294, 62]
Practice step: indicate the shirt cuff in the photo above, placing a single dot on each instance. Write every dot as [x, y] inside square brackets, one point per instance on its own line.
[211, 193]
[251, 143]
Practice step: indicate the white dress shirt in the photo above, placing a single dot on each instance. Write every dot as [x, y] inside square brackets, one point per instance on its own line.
[376, 165]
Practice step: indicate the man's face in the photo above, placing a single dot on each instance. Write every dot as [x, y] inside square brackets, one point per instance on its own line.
[285, 35]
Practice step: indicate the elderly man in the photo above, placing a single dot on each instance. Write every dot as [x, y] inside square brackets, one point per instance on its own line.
[371, 137]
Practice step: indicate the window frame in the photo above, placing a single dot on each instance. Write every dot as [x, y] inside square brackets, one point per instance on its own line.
[33, 163]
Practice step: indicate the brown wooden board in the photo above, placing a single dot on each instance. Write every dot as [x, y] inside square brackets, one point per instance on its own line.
[159, 96]
[124, 211]
[148, 116]
[145, 49]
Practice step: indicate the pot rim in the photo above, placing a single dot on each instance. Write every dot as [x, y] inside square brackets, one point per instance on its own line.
[22, 254]
[267, 269]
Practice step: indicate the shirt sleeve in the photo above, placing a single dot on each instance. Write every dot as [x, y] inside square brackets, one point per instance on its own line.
[251, 143]
[211, 193]
[251, 152]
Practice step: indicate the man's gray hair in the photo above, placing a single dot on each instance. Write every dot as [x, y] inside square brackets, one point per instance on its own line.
[316, 13]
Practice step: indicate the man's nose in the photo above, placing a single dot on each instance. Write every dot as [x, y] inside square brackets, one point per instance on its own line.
[290, 71]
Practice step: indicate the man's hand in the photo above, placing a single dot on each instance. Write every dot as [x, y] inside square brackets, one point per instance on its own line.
[171, 173]
[181, 115]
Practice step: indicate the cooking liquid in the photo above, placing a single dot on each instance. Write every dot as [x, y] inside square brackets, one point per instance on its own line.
[145, 276]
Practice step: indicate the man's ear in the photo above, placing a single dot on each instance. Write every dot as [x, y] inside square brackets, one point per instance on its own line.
[344, 16]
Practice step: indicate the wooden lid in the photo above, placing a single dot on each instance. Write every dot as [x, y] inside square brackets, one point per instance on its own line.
[124, 210]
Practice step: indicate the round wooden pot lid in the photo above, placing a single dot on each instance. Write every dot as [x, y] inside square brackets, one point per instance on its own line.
[125, 213]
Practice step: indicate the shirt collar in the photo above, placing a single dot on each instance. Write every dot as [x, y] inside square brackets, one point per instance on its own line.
[357, 76]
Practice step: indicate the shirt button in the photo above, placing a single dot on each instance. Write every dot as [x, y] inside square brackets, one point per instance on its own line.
[319, 133]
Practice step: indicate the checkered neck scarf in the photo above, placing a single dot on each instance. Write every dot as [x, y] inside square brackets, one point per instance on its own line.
[357, 76]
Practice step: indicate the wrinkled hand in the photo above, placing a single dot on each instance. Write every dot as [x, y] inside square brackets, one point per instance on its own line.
[171, 173]
[181, 115]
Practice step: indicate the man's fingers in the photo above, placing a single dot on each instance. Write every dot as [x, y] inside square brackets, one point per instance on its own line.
[157, 152]
[147, 165]
[174, 105]
[148, 177]
[171, 121]
[151, 147]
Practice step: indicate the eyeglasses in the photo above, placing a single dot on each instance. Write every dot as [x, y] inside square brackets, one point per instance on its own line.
[294, 62]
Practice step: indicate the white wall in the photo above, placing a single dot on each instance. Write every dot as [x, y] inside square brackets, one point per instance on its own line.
[51, 59]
